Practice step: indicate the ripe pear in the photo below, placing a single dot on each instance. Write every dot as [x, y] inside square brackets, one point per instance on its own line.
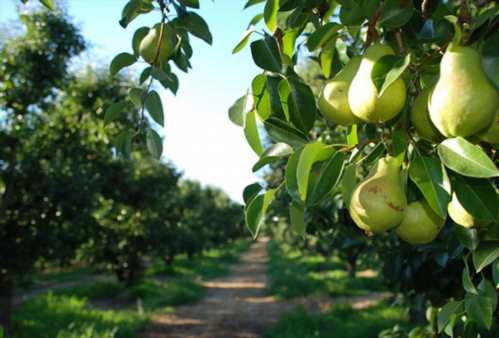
[378, 203]
[363, 95]
[149, 45]
[464, 101]
[333, 102]
[420, 118]
[460, 215]
[491, 134]
[420, 224]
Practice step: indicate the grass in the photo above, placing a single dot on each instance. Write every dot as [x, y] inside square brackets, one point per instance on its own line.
[55, 275]
[294, 275]
[340, 321]
[106, 309]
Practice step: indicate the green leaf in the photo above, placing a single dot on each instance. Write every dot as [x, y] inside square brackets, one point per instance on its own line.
[155, 107]
[121, 61]
[256, 19]
[466, 279]
[486, 253]
[387, 70]
[280, 131]
[327, 57]
[256, 211]
[144, 75]
[197, 26]
[251, 133]
[123, 143]
[273, 153]
[250, 192]
[154, 143]
[490, 59]
[244, 40]
[270, 13]
[322, 35]
[495, 273]
[311, 153]
[266, 55]
[481, 307]
[297, 218]
[115, 111]
[133, 9]
[291, 180]
[348, 183]
[136, 95]
[330, 176]
[252, 3]
[275, 103]
[466, 159]
[478, 197]
[447, 311]
[137, 39]
[396, 13]
[190, 3]
[301, 104]
[430, 177]
[238, 111]
[50, 4]
[400, 143]
[289, 41]
[351, 13]
[467, 237]
[352, 136]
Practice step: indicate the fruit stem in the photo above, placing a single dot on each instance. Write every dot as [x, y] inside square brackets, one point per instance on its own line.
[372, 33]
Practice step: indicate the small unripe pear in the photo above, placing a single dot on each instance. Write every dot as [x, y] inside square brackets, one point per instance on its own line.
[420, 224]
[491, 134]
[420, 118]
[363, 96]
[378, 204]
[148, 47]
[333, 102]
[464, 101]
[460, 215]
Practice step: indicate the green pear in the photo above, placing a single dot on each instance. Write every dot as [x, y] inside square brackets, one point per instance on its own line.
[491, 134]
[420, 224]
[464, 101]
[420, 118]
[378, 203]
[149, 45]
[333, 102]
[460, 215]
[363, 95]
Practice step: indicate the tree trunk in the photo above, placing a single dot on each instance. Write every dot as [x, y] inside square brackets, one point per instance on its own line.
[6, 303]
[352, 265]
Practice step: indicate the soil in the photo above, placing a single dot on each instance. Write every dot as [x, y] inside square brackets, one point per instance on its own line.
[238, 305]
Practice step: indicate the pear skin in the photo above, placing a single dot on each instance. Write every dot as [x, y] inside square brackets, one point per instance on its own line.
[333, 102]
[149, 44]
[491, 134]
[378, 204]
[363, 95]
[464, 102]
[420, 225]
[420, 118]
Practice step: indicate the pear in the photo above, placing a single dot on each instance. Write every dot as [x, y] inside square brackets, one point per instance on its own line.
[420, 225]
[460, 215]
[420, 118]
[333, 102]
[363, 95]
[149, 45]
[378, 203]
[491, 134]
[464, 101]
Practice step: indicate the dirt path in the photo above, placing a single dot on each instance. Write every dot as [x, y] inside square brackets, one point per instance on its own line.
[237, 306]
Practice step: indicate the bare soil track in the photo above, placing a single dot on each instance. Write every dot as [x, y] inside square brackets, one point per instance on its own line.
[238, 305]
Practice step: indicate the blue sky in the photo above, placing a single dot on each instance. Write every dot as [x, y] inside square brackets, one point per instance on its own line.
[199, 138]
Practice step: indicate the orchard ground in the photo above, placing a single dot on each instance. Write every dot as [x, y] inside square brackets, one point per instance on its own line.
[244, 289]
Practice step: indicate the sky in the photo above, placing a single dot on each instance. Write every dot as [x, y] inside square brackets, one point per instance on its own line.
[198, 137]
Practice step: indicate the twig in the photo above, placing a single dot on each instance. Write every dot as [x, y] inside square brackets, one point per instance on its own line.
[372, 34]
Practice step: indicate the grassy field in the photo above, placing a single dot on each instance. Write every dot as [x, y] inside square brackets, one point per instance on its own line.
[106, 309]
[294, 274]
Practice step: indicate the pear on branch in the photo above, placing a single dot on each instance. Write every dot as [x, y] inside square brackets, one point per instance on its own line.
[363, 96]
[148, 47]
[420, 224]
[464, 102]
[420, 118]
[378, 204]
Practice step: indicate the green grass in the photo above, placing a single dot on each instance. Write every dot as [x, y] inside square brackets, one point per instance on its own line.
[340, 321]
[80, 311]
[294, 275]
[61, 275]
[45, 316]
